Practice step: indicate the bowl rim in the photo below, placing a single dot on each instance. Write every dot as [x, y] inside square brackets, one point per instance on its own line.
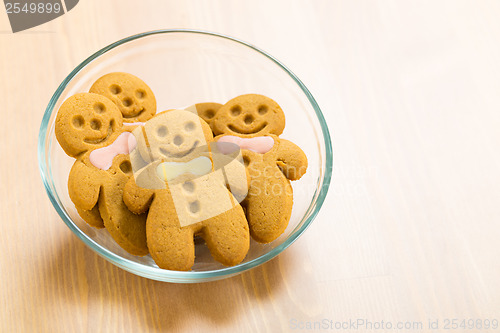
[158, 273]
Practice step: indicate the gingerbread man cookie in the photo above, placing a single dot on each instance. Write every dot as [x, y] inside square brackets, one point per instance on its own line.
[206, 110]
[254, 122]
[186, 193]
[89, 127]
[131, 95]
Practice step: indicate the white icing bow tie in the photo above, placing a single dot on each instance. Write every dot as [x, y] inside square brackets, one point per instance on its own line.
[199, 166]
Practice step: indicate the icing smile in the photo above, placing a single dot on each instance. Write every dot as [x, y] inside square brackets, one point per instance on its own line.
[245, 131]
[168, 153]
[134, 115]
[97, 141]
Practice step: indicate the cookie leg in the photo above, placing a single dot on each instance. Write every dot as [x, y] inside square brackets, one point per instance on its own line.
[227, 236]
[92, 217]
[171, 246]
[268, 209]
[126, 228]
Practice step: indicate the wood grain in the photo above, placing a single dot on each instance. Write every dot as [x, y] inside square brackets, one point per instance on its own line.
[411, 226]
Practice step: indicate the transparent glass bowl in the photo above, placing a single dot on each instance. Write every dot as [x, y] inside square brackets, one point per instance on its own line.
[184, 67]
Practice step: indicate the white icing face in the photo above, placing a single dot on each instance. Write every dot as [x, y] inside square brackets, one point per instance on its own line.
[171, 136]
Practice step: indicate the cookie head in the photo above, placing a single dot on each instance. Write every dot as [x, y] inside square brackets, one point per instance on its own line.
[132, 96]
[173, 135]
[207, 111]
[248, 116]
[86, 122]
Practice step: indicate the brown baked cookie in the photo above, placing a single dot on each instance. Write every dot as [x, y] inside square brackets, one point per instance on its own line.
[184, 194]
[249, 115]
[102, 167]
[206, 111]
[134, 98]
[92, 217]
[253, 122]
[89, 185]
[85, 122]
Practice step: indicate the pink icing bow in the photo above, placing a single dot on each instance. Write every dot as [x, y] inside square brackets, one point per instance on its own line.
[259, 144]
[102, 158]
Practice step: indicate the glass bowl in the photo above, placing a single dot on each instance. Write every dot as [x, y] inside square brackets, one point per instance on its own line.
[184, 67]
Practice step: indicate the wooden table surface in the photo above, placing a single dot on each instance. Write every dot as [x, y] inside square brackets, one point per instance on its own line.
[409, 232]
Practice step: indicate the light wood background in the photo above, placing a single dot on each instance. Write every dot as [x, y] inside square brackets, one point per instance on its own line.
[410, 230]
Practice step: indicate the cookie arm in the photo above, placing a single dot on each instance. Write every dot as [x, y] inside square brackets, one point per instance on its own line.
[136, 198]
[83, 187]
[291, 160]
